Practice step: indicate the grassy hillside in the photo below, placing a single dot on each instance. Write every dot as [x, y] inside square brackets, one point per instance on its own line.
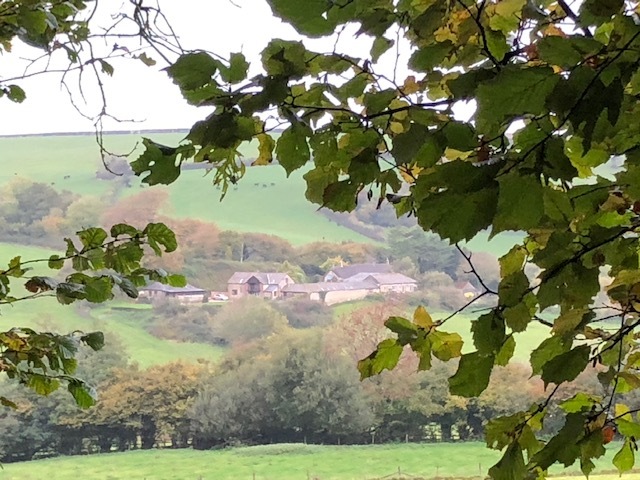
[141, 346]
[265, 201]
[279, 462]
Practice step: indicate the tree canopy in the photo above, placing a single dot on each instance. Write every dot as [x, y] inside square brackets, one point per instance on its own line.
[472, 115]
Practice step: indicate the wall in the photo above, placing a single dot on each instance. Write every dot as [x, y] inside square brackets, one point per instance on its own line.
[331, 298]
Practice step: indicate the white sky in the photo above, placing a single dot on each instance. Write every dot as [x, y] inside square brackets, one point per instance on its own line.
[146, 93]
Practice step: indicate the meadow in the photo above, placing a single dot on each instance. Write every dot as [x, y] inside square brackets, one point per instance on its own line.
[265, 201]
[285, 462]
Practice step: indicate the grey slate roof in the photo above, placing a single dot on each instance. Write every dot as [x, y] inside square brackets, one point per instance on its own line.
[160, 287]
[327, 287]
[264, 278]
[351, 270]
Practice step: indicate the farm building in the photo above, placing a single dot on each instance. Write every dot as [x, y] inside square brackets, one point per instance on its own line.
[342, 274]
[267, 285]
[386, 282]
[330, 292]
[186, 294]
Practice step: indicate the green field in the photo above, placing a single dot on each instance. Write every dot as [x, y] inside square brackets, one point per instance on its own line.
[141, 346]
[265, 201]
[279, 462]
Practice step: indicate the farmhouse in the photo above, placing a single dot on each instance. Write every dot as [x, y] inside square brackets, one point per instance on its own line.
[267, 285]
[186, 294]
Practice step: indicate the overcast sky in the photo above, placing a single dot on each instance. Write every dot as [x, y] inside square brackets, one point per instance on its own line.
[145, 93]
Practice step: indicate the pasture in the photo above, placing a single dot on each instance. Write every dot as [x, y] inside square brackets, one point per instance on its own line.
[141, 347]
[265, 200]
[283, 462]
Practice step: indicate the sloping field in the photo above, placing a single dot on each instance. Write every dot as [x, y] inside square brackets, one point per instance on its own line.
[265, 201]
[279, 462]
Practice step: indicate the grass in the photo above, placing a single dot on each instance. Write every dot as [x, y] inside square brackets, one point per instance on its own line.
[141, 346]
[278, 462]
[265, 201]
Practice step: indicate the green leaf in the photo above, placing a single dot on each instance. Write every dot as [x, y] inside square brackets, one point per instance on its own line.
[566, 366]
[106, 67]
[159, 161]
[124, 229]
[98, 289]
[563, 447]
[511, 466]
[158, 234]
[444, 213]
[520, 203]
[592, 446]
[84, 395]
[570, 320]
[237, 70]
[595, 12]
[506, 352]
[55, 262]
[95, 340]
[404, 328]
[472, 376]
[15, 93]
[513, 261]
[308, 17]
[92, 237]
[384, 357]
[292, 149]
[379, 47]
[193, 70]
[625, 458]
[514, 92]
[445, 346]
[566, 52]
[581, 402]
[488, 333]
[42, 384]
[549, 348]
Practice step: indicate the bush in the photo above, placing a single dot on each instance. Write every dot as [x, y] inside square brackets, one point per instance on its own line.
[303, 313]
[183, 323]
[247, 319]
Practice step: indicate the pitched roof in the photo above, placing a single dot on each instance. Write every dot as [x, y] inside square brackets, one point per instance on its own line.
[327, 287]
[382, 278]
[161, 287]
[351, 270]
[264, 278]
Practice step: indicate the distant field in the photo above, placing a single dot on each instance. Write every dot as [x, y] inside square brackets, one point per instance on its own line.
[141, 346]
[280, 462]
[265, 200]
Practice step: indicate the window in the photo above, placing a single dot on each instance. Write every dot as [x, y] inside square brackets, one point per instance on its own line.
[234, 292]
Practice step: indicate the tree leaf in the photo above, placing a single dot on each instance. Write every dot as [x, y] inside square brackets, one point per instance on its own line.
[384, 357]
[514, 92]
[292, 149]
[625, 458]
[520, 203]
[566, 366]
[511, 465]
[84, 395]
[95, 340]
[472, 376]
[158, 234]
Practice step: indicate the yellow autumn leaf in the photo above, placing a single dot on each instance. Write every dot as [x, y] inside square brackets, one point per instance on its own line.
[396, 127]
[422, 318]
[265, 149]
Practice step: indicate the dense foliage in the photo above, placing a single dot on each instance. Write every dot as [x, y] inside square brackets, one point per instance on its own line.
[549, 146]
